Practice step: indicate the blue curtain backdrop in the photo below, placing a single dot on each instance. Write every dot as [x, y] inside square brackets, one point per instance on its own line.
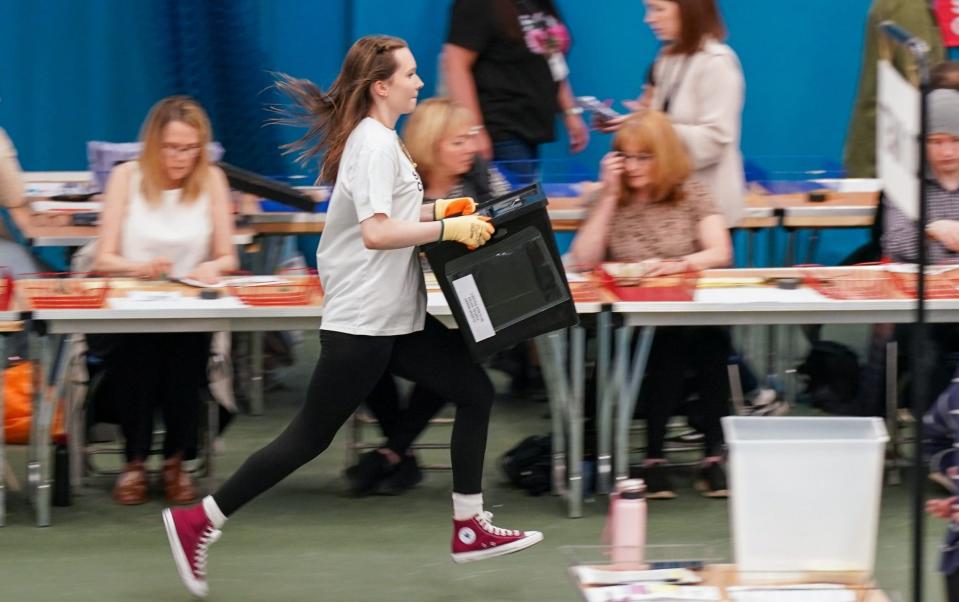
[77, 70]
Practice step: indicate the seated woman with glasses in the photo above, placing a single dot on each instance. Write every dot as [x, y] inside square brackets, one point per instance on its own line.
[650, 210]
[441, 138]
[166, 215]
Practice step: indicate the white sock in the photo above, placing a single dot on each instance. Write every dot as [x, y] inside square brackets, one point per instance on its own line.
[466, 506]
[213, 512]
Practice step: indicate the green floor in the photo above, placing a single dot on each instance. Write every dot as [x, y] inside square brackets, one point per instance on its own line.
[306, 540]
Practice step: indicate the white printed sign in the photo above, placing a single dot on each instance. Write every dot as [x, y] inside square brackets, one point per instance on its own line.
[897, 139]
[472, 303]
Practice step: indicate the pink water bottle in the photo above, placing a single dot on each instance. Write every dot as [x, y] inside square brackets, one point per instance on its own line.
[627, 522]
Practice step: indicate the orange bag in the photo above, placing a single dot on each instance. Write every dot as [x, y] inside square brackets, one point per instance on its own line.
[18, 405]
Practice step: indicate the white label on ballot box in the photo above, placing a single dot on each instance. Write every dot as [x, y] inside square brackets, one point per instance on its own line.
[472, 304]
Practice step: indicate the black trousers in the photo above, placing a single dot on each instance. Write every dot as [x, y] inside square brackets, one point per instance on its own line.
[700, 353]
[402, 423]
[952, 587]
[147, 371]
[348, 369]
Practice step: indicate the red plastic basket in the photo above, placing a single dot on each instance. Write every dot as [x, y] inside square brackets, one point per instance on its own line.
[938, 286]
[585, 292]
[6, 288]
[676, 287]
[854, 285]
[309, 275]
[292, 293]
[64, 290]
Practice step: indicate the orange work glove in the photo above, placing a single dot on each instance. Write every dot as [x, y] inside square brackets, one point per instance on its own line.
[463, 205]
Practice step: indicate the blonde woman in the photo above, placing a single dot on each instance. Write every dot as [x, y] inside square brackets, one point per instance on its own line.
[166, 214]
[649, 210]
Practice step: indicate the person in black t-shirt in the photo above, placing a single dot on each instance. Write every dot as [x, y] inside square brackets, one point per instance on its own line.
[504, 60]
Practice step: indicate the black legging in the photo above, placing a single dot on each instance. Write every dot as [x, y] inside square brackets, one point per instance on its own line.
[952, 587]
[347, 370]
[704, 350]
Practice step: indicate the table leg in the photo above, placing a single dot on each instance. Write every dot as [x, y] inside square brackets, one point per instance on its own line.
[256, 373]
[550, 351]
[49, 389]
[577, 373]
[605, 391]
[630, 391]
[892, 410]
[812, 246]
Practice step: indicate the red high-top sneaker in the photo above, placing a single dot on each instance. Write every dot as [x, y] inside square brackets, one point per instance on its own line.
[478, 539]
[190, 533]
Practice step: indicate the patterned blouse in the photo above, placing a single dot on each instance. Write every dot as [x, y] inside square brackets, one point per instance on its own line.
[663, 230]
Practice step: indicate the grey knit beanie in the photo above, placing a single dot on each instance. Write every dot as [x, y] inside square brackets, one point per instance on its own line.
[943, 112]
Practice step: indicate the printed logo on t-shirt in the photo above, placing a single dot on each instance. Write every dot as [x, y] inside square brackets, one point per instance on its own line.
[544, 34]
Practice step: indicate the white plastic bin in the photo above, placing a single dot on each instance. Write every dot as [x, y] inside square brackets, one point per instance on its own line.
[805, 492]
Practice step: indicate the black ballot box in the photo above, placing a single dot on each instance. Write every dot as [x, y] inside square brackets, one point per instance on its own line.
[514, 287]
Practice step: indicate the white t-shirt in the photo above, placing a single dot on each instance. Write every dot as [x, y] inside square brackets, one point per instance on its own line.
[369, 292]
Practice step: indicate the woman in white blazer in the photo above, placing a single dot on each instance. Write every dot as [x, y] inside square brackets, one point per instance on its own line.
[698, 82]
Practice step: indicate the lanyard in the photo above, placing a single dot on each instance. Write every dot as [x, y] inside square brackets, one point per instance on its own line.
[675, 83]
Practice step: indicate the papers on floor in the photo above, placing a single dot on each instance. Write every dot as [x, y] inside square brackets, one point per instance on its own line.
[154, 300]
[659, 592]
[588, 575]
[814, 592]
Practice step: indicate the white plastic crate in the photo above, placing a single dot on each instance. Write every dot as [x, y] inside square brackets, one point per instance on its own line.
[805, 492]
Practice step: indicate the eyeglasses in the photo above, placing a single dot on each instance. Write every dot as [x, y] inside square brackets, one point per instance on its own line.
[640, 157]
[178, 150]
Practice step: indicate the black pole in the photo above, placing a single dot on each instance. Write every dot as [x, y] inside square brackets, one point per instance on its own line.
[920, 52]
[920, 354]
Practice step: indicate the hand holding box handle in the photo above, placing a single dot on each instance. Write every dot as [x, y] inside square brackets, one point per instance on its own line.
[463, 205]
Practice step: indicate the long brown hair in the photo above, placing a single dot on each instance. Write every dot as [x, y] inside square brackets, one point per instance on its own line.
[331, 116]
[700, 20]
[652, 132]
[185, 110]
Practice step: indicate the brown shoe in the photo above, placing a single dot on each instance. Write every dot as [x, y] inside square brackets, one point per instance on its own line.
[131, 486]
[177, 484]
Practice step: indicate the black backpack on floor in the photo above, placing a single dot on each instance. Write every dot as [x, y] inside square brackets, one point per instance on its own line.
[832, 376]
[528, 465]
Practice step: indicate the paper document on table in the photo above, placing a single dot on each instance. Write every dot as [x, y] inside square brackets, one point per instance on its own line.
[235, 281]
[66, 206]
[54, 188]
[153, 300]
[825, 592]
[851, 184]
[764, 294]
[435, 299]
